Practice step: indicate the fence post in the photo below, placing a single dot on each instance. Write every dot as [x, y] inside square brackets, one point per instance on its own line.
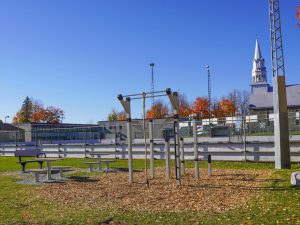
[85, 143]
[182, 156]
[58, 133]
[245, 143]
[196, 164]
[151, 148]
[167, 156]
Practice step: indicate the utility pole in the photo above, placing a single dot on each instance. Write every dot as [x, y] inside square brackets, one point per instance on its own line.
[281, 128]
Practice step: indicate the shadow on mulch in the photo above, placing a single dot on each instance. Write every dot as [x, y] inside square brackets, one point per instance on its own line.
[126, 170]
[241, 187]
[82, 179]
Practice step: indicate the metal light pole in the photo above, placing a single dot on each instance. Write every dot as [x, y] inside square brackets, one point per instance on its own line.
[152, 83]
[209, 94]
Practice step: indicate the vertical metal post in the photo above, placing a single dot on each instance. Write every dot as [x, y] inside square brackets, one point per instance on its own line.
[196, 163]
[167, 156]
[145, 137]
[151, 148]
[129, 144]
[182, 156]
[177, 149]
[209, 169]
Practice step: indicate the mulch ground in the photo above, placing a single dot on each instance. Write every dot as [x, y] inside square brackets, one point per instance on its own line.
[225, 190]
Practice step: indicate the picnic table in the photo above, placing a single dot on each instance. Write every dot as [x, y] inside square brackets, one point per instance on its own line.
[99, 154]
[48, 161]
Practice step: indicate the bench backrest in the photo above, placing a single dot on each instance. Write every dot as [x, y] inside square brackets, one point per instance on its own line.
[29, 152]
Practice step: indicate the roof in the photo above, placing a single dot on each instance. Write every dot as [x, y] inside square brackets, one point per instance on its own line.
[264, 99]
[257, 53]
[8, 127]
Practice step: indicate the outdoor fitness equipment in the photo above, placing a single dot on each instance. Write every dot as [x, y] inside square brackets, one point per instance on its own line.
[125, 101]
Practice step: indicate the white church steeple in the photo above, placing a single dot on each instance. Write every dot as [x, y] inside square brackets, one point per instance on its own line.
[259, 72]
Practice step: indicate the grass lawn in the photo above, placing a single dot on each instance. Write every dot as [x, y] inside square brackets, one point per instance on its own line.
[275, 203]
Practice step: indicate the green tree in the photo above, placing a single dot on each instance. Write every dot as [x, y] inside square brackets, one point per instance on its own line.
[26, 110]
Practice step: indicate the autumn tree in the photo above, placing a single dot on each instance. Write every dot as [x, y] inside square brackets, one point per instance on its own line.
[158, 110]
[217, 111]
[38, 113]
[201, 107]
[228, 107]
[52, 115]
[184, 106]
[113, 115]
[121, 115]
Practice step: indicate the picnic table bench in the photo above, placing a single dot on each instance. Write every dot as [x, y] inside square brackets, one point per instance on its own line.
[29, 153]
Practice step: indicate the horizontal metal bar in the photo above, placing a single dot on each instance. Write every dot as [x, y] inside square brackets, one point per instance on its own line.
[155, 96]
[147, 93]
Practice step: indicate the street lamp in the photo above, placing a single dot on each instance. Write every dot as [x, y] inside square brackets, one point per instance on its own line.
[5, 118]
[209, 92]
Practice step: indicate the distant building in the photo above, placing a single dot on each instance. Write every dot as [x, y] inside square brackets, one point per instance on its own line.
[261, 99]
[49, 133]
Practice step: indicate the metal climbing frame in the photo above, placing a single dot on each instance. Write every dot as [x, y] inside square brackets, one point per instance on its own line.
[173, 97]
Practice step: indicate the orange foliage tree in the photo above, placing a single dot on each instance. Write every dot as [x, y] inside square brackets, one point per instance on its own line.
[40, 114]
[228, 107]
[121, 115]
[184, 107]
[158, 110]
[201, 107]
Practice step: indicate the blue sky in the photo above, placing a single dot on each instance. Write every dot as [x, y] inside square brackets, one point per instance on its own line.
[79, 55]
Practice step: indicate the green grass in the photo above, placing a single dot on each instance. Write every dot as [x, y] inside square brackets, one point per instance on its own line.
[278, 203]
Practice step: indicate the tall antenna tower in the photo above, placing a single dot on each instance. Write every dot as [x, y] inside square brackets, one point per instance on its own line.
[209, 92]
[281, 129]
[152, 84]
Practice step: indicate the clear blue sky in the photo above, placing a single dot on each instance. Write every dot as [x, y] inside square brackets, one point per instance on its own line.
[79, 55]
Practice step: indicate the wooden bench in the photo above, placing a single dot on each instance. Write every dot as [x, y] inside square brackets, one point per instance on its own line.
[36, 173]
[91, 169]
[29, 153]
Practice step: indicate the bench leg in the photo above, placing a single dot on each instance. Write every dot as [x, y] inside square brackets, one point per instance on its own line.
[41, 165]
[60, 174]
[36, 177]
[91, 168]
[106, 166]
[23, 167]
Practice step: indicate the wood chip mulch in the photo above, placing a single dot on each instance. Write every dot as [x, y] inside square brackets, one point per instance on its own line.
[225, 190]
